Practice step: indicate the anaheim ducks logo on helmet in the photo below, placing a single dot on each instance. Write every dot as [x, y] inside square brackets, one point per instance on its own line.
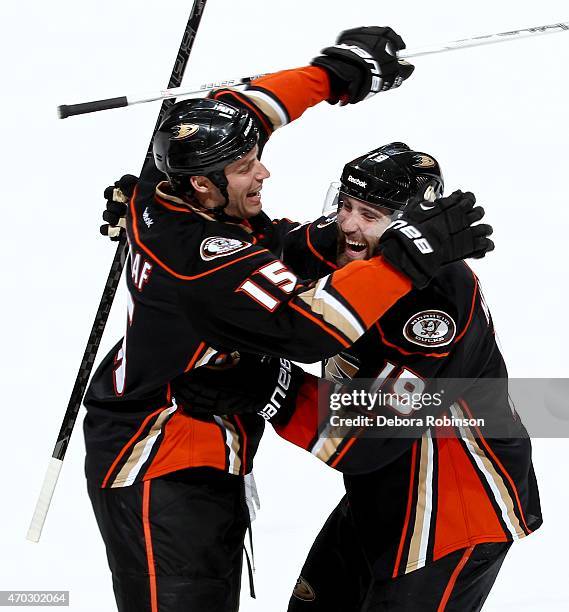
[303, 590]
[183, 131]
[424, 161]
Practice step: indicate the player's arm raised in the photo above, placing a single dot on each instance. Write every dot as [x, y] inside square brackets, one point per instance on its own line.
[349, 71]
[361, 64]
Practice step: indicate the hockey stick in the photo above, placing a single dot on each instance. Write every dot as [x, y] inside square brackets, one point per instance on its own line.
[70, 110]
[56, 461]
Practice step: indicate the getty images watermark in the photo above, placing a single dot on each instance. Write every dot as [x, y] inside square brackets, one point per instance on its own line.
[406, 408]
[360, 408]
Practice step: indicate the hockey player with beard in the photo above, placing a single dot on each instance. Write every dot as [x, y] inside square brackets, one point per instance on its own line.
[167, 487]
[429, 512]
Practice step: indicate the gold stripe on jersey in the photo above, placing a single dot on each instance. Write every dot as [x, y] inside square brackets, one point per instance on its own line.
[329, 440]
[205, 358]
[212, 357]
[233, 443]
[322, 303]
[340, 367]
[141, 451]
[493, 478]
[163, 191]
[422, 526]
[272, 109]
[326, 447]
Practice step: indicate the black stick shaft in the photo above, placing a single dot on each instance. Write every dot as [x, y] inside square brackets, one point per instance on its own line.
[120, 255]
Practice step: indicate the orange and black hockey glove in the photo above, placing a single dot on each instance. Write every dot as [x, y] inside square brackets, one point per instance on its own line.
[266, 386]
[117, 196]
[429, 235]
[363, 62]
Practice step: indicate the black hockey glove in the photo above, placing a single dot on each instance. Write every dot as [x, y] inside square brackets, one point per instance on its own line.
[363, 62]
[431, 234]
[117, 197]
[266, 386]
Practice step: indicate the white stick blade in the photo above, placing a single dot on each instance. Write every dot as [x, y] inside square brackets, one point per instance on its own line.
[44, 500]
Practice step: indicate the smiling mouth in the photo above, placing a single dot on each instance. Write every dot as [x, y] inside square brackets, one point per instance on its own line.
[356, 247]
[254, 194]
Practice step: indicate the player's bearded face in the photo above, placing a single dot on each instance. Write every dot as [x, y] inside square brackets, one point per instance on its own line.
[360, 227]
[245, 180]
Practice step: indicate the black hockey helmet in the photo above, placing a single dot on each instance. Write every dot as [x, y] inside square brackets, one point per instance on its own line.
[391, 176]
[199, 138]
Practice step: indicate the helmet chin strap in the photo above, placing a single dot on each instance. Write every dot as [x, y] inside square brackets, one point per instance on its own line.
[220, 181]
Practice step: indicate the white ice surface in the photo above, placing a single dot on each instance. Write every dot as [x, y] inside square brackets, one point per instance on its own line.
[496, 118]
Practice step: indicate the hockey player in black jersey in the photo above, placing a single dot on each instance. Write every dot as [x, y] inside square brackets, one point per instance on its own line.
[429, 514]
[167, 485]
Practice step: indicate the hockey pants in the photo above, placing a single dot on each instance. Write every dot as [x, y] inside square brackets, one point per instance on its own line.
[175, 543]
[337, 577]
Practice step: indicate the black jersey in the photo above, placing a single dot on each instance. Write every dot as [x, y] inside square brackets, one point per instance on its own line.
[416, 500]
[199, 289]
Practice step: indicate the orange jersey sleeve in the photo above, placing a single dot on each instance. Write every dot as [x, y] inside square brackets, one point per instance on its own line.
[282, 97]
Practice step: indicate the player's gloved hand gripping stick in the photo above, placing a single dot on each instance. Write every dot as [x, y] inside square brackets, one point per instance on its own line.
[364, 62]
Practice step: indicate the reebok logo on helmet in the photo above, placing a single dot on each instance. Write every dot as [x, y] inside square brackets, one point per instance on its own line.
[357, 181]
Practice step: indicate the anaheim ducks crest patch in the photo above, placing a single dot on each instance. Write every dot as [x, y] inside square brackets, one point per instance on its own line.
[430, 328]
[218, 246]
[303, 590]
